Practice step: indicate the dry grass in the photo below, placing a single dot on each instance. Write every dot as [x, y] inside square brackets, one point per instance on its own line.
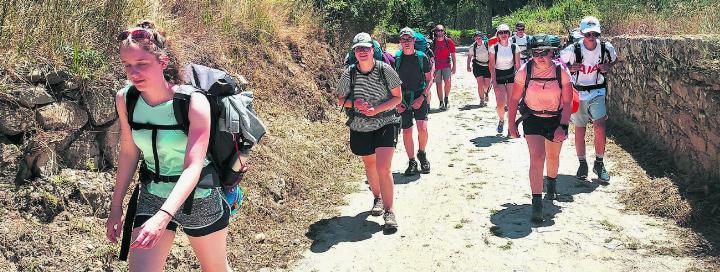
[275, 44]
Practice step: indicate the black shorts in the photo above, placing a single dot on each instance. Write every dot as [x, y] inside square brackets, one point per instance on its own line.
[543, 126]
[218, 225]
[480, 71]
[419, 114]
[365, 143]
[505, 76]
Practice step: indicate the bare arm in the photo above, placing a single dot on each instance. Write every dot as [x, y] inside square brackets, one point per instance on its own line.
[491, 66]
[517, 61]
[128, 156]
[515, 96]
[195, 152]
[567, 97]
[392, 102]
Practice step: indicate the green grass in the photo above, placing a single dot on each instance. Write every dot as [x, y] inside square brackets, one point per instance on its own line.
[610, 226]
[506, 246]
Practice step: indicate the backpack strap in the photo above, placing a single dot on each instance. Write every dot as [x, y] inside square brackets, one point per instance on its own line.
[131, 99]
[514, 49]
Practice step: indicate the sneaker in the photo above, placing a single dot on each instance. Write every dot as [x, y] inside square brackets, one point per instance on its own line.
[412, 168]
[390, 221]
[442, 105]
[378, 208]
[537, 210]
[582, 171]
[500, 126]
[506, 108]
[551, 192]
[599, 169]
[447, 102]
[424, 163]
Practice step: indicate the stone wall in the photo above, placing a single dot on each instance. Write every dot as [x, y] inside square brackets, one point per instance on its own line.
[49, 122]
[667, 91]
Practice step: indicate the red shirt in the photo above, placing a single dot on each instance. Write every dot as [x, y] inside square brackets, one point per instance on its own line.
[442, 53]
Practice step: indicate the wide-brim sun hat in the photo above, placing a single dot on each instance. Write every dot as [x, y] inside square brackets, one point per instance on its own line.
[502, 27]
[543, 42]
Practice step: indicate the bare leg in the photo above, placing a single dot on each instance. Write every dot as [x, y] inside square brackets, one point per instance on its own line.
[501, 100]
[211, 250]
[552, 157]
[409, 142]
[422, 134]
[151, 259]
[580, 141]
[536, 148]
[599, 129]
[384, 164]
[372, 174]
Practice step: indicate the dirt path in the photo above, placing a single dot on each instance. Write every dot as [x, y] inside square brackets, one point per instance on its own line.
[472, 211]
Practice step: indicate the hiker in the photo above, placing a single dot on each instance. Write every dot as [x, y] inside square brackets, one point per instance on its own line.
[543, 88]
[589, 61]
[370, 91]
[477, 62]
[445, 64]
[413, 67]
[152, 68]
[504, 60]
[521, 40]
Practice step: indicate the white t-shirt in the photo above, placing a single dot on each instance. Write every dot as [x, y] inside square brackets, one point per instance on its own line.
[589, 73]
[521, 43]
[480, 54]
[504, 58]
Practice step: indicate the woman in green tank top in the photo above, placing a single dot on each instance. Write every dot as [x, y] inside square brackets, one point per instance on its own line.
[152, 70]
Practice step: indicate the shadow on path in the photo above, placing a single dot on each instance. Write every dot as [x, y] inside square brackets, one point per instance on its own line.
[470, 107]
[568, 186]
[514, 221]
[486, 141]
[327, 233]
[400, 178]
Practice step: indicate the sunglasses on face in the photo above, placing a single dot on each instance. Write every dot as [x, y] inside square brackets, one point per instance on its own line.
[504, 32]
[362, 49]
[136, 35]
[541, 53]
[405, 40]
[592, 34]
[439, 30]
[520, 29]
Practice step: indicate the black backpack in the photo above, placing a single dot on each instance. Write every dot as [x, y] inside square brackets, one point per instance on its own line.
[227, 142]
[523, 108]
[604, 58]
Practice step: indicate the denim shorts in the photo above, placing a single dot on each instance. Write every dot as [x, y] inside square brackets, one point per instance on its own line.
[590, 110]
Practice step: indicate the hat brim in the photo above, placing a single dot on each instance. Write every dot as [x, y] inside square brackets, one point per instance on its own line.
[591, 29]
[362, 44]
[544, 48]
[407, 33]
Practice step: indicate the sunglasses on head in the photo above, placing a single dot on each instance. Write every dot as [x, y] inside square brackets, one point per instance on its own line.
[541, 53]
[135, 35]
[362, 49]
[592, 34]
[504, 32]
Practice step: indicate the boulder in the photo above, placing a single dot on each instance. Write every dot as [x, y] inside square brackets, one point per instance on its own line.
[110, 142]
[15, 119]
[9, 162]
[31, 96]
[83, 153]
[62, 116]
[100, 104]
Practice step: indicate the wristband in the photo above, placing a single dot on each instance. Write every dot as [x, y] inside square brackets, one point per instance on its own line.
[168, 213]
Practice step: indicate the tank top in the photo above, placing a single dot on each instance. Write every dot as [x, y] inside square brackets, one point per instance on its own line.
[171, 145]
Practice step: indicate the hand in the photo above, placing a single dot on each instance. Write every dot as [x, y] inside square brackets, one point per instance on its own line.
[454, 70]
[513, 131]
[560, 135]
[417, 103]
[604, 68]
[361, 104]
[400, 108]
[114, 224]
[151, 232]
[469, 69]
[575, 67]
[369, 112]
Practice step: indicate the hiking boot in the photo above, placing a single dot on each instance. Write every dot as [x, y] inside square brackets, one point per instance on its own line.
[551, 193]
[447, 102]
[506, 108]
[378, 208]
[582, 171]
[390, 222]
[599, 169]
[442, 105]
[424, 163]
[500, 127]
[412, 168]
[537, 210]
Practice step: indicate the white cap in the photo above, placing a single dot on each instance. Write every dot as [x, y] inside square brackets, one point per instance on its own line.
[503, 27]
[362, 39]
[590, 24]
